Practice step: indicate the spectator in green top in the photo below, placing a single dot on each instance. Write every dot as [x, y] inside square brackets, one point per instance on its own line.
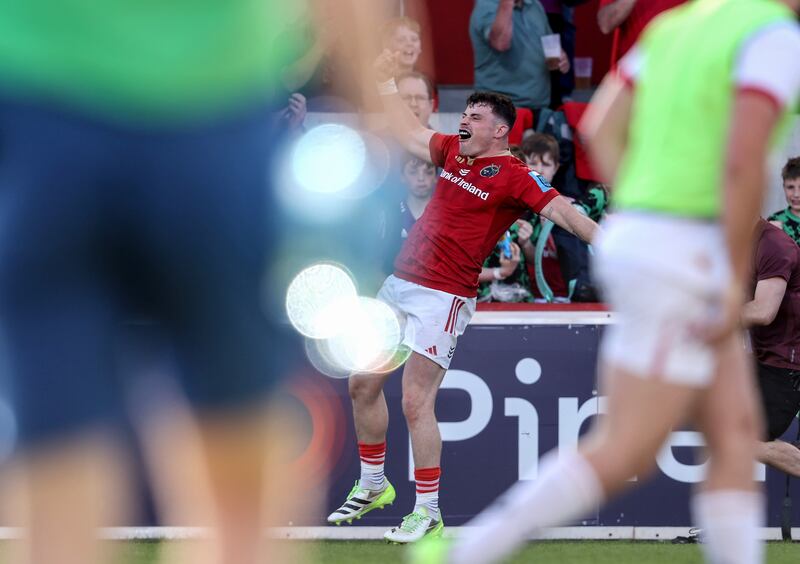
[595, 201]
[542, 154]
[789, 218]
[505, 278]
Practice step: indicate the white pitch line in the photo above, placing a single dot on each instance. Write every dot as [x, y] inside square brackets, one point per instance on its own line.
[376, 533]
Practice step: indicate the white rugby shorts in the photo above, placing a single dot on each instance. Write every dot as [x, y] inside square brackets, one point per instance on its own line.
[661, 275]
[431, 319]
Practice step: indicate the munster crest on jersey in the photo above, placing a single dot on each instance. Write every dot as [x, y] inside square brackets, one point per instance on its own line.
[490, 170]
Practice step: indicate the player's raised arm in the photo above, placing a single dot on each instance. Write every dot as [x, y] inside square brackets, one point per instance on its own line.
[754, 118]
[404, 124]
[604, 128]
[561, 212]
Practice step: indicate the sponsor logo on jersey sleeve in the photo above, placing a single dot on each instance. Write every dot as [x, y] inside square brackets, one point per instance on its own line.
[543, 184]
[490, 170]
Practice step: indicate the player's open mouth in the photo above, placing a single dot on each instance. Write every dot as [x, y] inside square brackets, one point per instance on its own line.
[463, 134]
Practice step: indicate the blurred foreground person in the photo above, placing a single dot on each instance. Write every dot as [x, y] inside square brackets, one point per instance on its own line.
[133, 183]
[683, 135]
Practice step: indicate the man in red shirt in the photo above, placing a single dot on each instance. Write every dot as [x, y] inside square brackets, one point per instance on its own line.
[773, 316]
[627, 19]
[481, 191]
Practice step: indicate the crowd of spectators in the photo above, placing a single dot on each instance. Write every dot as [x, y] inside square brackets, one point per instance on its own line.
[508, 39]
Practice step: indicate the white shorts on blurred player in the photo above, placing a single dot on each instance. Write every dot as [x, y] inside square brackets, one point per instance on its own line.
[662, 275]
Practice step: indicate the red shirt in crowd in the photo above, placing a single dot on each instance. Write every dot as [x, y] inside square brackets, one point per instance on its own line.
[641, 14]
[778, 256]
[475, 202]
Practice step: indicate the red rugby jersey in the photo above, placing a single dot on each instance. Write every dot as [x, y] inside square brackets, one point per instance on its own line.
[475, 201]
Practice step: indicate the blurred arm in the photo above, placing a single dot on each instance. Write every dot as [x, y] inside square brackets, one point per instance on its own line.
[604, 127]
[611, 16]
[766, 302]
[754, 119]
[406, 127]
[561, 212]
[502, 30]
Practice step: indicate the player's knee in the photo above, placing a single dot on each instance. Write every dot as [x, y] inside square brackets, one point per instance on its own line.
[364, 388]
[628, 463]
[736, 438]
[749, 426]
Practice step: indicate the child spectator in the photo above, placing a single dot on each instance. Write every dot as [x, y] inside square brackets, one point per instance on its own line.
[542, 155]
[789, 219]
[419, 179]
[403, 35]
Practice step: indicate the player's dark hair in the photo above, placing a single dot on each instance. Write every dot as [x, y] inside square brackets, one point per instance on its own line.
[418, 76]
[500, 104]
[791, 169]
[539, 145]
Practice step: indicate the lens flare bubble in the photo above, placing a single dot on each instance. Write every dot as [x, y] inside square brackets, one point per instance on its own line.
[370, 337]
[319, 298]
[328, 158]
[374, 172]
[319, 355]
[397, 360]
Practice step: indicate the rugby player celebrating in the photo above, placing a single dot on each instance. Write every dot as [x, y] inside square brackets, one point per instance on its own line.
[481, 191]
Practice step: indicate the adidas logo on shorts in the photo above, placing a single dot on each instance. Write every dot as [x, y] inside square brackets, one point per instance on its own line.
[432, 350]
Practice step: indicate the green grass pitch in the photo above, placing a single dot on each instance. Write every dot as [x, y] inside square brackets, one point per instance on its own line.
[556, 552]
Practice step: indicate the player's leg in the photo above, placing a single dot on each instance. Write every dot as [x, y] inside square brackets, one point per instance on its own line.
[421, 380]
[439, 318]
[652, 373]
[780, 401]
[730, 505]
[57, 326]
[781, 455]
[371, 419]
[207, 232]
[641, 413]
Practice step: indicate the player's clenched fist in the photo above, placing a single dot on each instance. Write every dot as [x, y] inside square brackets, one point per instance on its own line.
[385, 66]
